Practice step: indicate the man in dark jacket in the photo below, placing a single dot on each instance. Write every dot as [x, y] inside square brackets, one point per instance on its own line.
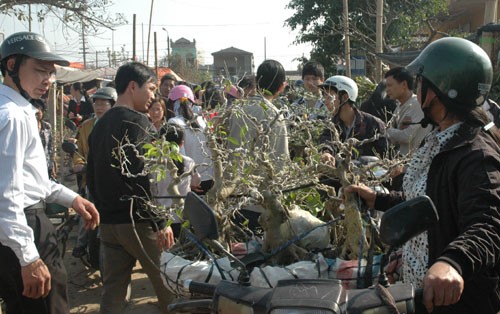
[350, 122]
[456, 261]
[119, 187]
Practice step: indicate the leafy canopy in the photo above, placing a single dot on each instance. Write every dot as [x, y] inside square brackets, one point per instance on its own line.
[320, 23]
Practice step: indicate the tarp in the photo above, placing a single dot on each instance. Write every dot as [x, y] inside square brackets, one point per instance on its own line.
[162, 71]
[67, 75]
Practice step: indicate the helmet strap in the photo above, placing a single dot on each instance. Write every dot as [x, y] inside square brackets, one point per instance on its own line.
[14, 74]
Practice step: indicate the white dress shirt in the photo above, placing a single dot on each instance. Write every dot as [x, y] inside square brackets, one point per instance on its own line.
[24, 179]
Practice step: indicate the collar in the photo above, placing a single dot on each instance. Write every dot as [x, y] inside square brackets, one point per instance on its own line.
[16, 98]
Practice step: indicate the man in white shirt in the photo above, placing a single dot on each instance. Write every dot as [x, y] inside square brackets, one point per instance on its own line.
[32, 273]
[403, 129]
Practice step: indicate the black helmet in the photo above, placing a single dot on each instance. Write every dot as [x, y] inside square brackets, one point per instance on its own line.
[31, 45]
[458, 68]
[108, 93]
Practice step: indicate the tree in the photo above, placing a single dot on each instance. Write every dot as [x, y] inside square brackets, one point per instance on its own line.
[320, 23]
[91, 13]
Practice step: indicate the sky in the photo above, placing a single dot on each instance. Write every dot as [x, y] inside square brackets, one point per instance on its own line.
[255, 26]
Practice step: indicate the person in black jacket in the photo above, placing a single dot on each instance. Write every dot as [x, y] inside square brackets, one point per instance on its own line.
[350, 122]
[456, 261]
[80, 107]
[119, 197]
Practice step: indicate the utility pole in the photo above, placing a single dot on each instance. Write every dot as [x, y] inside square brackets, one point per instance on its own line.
[379, 43]
[265, 49]
[133, 37]
[83, 46]
[29, 17]
[487, 38]
[346, 40]
[149, 31]
[156, 53]
[490, 11]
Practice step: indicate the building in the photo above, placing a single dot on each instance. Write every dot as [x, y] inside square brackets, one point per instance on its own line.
[184, 51]
[466, 16]
[238, 62]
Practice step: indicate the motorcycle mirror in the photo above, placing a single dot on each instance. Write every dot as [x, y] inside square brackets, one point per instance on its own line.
[69, 147]
[201, 217]
[407, 220]
[365, 160]
[70, 124]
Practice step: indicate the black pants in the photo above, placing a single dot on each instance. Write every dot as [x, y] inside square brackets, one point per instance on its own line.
[11, 283]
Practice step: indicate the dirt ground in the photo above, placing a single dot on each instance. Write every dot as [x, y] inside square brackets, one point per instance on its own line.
[85, 286]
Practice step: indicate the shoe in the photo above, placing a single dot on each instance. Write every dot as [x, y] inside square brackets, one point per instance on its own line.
[79, 251]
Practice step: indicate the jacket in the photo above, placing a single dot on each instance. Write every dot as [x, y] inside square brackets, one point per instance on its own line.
[111, 189]
[365, 127]
[464, 184]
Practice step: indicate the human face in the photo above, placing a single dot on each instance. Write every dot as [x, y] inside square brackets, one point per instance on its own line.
[36, 76]
[395, 90]
[166, 87]
[100, 107]
[156, 112]
[143, 95]
[311, 83]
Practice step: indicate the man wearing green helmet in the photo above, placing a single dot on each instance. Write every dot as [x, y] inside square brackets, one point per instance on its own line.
[456, 262]
[32, 273]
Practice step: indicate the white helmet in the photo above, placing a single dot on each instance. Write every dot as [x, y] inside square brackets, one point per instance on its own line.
[343, 83]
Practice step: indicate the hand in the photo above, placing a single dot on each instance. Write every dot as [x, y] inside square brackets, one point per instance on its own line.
[78, 168]
[443, 285]
[397, 171]
[196, 188]
[328, 159]
[366, 193]
[405, 123]
[79, 117]
[165, 238]
[71, 140]
[88, 212]
[36, 280]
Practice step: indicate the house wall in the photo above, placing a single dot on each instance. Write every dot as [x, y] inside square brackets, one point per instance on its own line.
[237, 64]
[468, 15]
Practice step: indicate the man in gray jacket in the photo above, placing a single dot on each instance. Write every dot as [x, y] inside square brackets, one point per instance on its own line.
[403, 129]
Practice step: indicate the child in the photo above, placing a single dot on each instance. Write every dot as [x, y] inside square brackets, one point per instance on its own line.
[186, 178]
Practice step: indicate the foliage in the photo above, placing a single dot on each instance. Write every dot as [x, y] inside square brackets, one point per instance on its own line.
[321, 24]
[188, 72]
[92, 13]
[365, 87]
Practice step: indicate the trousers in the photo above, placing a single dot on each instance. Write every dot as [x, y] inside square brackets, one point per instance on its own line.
[120, 250]
[11, 283]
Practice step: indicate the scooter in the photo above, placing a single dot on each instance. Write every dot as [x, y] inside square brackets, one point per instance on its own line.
[398, 225]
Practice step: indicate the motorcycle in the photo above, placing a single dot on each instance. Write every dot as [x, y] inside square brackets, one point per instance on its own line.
[91, 257]
[398, 225]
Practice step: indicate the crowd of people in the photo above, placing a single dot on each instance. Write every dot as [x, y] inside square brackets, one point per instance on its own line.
[437, 117]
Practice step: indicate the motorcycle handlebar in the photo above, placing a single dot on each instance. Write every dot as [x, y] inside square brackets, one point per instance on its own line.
[199, 287]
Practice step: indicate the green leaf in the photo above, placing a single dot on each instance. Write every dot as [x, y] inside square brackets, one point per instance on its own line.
[243, 131]
[233, 140]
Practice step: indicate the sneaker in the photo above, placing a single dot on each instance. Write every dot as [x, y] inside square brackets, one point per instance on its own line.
[79, 251]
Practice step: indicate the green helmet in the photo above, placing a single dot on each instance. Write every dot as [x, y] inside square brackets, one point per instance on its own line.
[458, 68]
[108, 93]
[31, 45]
